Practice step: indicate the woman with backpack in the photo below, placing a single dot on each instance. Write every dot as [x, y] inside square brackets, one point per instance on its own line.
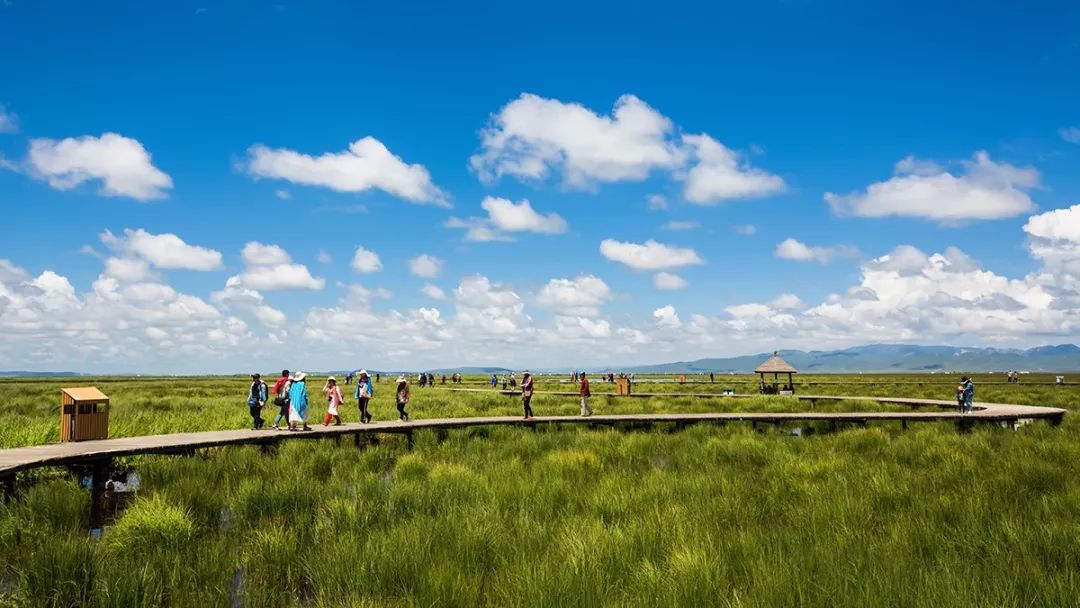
[333, 401]
[402, 397]
[526, 394]
[363, 395]
[281, 399]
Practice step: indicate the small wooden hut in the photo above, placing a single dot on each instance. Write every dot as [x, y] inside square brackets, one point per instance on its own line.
[84, 414]
[776, 366]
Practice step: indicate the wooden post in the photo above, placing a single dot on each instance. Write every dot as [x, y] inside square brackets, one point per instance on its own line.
[409, 439]
[357, 441]
[99, 475]
[903, 424]
[8, 481]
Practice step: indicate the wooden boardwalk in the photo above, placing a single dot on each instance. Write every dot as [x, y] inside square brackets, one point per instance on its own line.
[16, 460]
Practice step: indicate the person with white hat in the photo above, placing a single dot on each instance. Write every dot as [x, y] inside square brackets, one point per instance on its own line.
[402, 397]
[333, 400]
[298, 402]
[364, 393]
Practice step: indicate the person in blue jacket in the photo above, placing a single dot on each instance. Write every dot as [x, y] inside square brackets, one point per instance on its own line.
[969, 394]
[256, 400]
[298, 402]
[364, 393]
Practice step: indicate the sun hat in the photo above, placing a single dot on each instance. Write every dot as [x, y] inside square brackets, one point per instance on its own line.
[331, 379]
[363, 372]
[402, 378]
[299, 376]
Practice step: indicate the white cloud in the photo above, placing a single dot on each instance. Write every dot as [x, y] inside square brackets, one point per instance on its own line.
[531, 135]
[121, 163]
[581, 328]
[582, 296]
[367, 164]
[366, 261]
[425, 266]
[127, 270]
[984, 190]
[433, 292]
[323, 257]
[657, 202]
[681, 225]
[284, 195]
[9, 121]
[791, 249]
[504, 216]
[235, 295]
[666, 316]
[669, 281]
[489, 308]
[648, 256]
[745, 229]
[1070, 134]
[786, 301]
[719, 174]
[166, 251]
[270, 268]
[1054, 238]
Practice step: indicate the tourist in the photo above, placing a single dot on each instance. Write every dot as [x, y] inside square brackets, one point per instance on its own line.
[503, 378]
[585, 394]
[526, 394]
[969, 394]
[256, 400]
[378, 377]
[402, 397]
[298, 402]
[421, 380]
[363, 396]
[712, 377]
[281, 399]
[431, 380]
[333, 402]
[494, 380]
[513, 380]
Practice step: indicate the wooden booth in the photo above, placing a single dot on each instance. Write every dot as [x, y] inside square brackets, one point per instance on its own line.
[776, 366]
[622, 385]
[84, 414]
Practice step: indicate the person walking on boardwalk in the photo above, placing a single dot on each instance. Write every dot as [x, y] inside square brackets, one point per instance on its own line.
[969, 394]
[494, 380]
[256, 400]
[363, 395]
[281, 399]
[401, 397]
[298, 402]
[333, 402]
[527, 394]
[585, 394]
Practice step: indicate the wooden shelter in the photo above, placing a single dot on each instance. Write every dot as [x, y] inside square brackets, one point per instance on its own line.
[776, 366]
[84, 414]
[622, 386]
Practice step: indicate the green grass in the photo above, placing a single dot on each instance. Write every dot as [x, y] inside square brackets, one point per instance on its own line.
[710, 515]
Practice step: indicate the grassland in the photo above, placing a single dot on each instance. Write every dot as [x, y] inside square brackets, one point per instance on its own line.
[576, 517]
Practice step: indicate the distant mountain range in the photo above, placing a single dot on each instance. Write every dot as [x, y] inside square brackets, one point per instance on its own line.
[891, 358]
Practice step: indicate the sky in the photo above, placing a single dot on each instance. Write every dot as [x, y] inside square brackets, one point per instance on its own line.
[218, 187]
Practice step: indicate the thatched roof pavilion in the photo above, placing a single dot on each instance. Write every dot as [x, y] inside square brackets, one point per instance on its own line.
[776, 366]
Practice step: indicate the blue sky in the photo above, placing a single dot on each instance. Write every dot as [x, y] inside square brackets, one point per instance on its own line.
[947, 133]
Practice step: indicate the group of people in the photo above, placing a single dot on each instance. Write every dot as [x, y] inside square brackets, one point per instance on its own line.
[290, 396]
[965, 395]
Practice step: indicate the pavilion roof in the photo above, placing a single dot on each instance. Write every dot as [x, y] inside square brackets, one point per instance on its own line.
[775, 365]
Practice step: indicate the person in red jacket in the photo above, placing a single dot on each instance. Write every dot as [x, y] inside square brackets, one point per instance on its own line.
[585, 394]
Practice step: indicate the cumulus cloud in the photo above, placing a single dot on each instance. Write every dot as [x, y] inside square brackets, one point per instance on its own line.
[983, 190]
[720, 175]
[792, 249]
[367, 164]
[666, 316]
[650, 255]
[9, 121]
[425, 266]
[236, 296]
[433, 292]
[167, 251]
[121, 164]
[270, 268]
[657, 202]
[581, 296]
[1054, 238]
[365, 261]
[668, 281]
[786, 301]
[1070, 134]
[532, 135]
[504, 216]
[490, 308]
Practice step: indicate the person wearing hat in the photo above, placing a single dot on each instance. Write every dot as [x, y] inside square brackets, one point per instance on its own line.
[402, 397]
[363, 394]
[298, 402]
[527, 393]
[333, 401]
[256, 400]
